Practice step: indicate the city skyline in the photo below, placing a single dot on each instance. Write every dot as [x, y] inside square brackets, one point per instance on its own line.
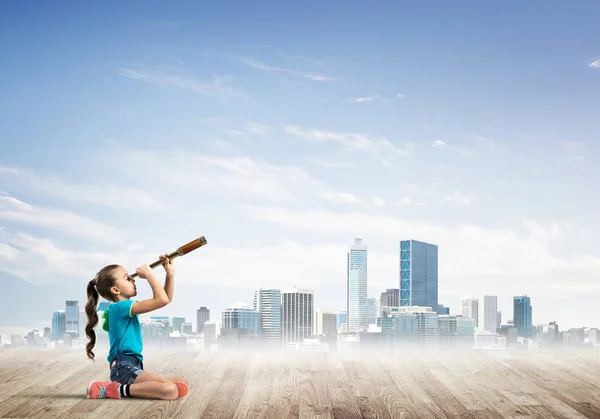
[281, 139]
[469, 304]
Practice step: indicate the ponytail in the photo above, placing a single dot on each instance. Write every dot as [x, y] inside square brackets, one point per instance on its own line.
[92, 315]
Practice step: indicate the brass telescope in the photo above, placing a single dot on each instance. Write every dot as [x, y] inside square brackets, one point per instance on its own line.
[183, 250]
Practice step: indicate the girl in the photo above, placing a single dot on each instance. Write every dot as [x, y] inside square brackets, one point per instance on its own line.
[127, 375]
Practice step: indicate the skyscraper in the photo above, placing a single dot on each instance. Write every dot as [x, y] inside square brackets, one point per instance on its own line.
[72, 318]
[490, 313]
[390, 298]
[268, 303]
[470, 308]
[522, 318]
[418, 274]
[357, 287]
[297, 307]
[202, 316]
[58, 325]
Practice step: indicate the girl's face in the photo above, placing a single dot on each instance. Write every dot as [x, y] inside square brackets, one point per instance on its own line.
[124, 285]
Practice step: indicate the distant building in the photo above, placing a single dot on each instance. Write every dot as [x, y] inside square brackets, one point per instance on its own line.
[342, 320]
[418, 274]
[442, 310]
[58, 324]
[176, 323]
[268, 303]
[522, 316]
[325, 323]
[210, 332]
[390, 298]
[357, 286]
[470, 308]
[297, 315]
[72, 318]
[575, 337]
[371, 311]
[241, 317]
[594, 336]
[465, 332]
[490, 313]
[186, 328]
[202, 316]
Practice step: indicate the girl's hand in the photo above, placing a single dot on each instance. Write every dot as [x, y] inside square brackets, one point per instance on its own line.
[167, 264]
[144, 271]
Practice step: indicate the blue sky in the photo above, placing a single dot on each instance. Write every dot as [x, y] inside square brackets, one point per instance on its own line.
[282, 132]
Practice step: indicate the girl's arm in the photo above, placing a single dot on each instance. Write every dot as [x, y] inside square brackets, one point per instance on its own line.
[170, 277]
[169, 285]
[160, 298]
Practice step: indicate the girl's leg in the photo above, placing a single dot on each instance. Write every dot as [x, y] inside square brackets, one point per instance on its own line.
[148, 385]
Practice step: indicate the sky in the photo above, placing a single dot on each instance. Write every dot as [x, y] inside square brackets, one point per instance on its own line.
[281, 132]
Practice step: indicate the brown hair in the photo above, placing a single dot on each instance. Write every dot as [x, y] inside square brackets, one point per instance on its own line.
[100, 285]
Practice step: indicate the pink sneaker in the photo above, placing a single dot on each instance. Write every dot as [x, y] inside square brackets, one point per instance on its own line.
[103, 390]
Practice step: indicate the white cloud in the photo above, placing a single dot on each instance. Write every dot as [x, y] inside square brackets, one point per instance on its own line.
[256, 128]
[39, 260]
[457, 198]
[363, 99]
[250, 128]
[404, 202]
[218, 88]
[378, 201]
[331, 164]
[353, 142]
[14, 210]
[340, 197]
[400, 96]
[199, 174]
[438, 143]
[302, 58]
[295, 73]
[594, 64]
[121, 197]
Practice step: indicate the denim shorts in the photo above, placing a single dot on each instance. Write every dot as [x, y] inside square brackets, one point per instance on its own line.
[124, 369]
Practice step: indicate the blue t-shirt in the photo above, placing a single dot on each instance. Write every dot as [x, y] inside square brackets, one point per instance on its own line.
[124, 331]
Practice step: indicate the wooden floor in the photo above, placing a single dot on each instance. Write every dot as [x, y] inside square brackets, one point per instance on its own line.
[488, 384]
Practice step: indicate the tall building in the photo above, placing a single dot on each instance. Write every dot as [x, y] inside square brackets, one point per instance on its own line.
[390, 298]
[176, 323]
[522, 318]
[490, 313]
[418, 274]
[357, 286]
[72, 318]
[58, 325]
[325, 323]
[202, 316]
[371, 308]
[297, 307]
[470, 308]
[268, 303]
[241, 316]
